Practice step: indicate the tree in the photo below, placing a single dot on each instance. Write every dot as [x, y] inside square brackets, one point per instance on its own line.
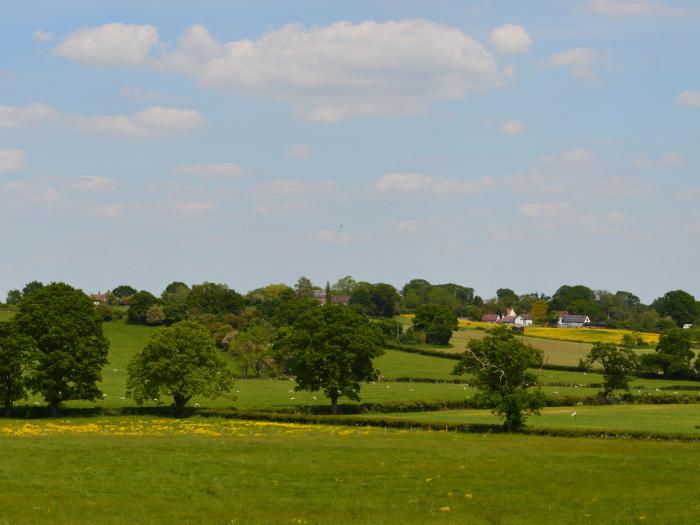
[155, 315]
[506, 298]
[679, 305]
[31, 287]
[437, 322]
[539, 311]
[179, 361]
[565, 295]
[344, 285]
[331, 349]
[139, 304]
[14, 297]
[304, 287]
[252, 348]
[673, 354]
[174, 287]
[329, 297]
[618, 364]
[499, 364]
[124, 291]
[71, 348]
[213, 298]
[175, 303]
[16, 355]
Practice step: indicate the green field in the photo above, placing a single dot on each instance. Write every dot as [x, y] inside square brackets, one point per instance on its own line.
[647, 418]
[148, 471]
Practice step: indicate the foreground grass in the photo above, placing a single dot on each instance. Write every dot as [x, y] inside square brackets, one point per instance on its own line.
[649, 418]
[141, 470]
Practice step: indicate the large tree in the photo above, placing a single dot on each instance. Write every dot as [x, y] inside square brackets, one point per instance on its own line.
[331, 349]
[16, 355]
[618, 362]
[500, 366]
[436, 322]
[673, 354]
[252, 347]
[71, 348]
[179, 361]
[139, 304]
[213, 298]
[679, 305]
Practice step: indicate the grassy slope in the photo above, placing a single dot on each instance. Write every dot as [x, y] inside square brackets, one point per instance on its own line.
[652, 418]
[318, 475]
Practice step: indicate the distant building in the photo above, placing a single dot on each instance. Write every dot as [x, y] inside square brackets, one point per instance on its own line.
[687, 326]
[98, 298]
[510, 313]
[523, 320]
[573, 321]
[320, 296]
[490, 318]
[510, 319]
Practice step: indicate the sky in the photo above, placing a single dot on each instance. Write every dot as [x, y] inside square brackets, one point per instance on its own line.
[487, 143]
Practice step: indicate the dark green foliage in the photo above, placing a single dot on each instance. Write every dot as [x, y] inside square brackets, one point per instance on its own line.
[673, 354]
[123, 291]
[619, 363]
[14, 297]
[304, 287]
[31, 287]
[566, 295]
[331, 349]
[105, 312]
[679, 305]
[175, 286]
[71, 349]
[174, 301]
[179, 361]
[139, 304]
[377, 300]
[391, 328]
[499, 364]
[253, 349]
[17, 353]
[212, 298]
[437, 322]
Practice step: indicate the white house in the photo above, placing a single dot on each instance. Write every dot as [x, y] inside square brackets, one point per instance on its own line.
[573, 321]
[687, 326]
[523, 320]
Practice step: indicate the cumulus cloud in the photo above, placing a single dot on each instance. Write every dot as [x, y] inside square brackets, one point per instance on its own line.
[331, 236]
[11, 160]
[210, 170]
[633, 8]
[416, 182]
[25, 116]
[299, 152]
[42, 36]
[579, 61]
[574, 155]
[326, 74]
[155, 121]
[282, 195]
[109, 45]
[689, 98]
[514, 127]
[511, 39]
[95, 184]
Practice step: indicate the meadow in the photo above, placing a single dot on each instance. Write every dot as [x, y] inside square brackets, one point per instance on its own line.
[149, 470]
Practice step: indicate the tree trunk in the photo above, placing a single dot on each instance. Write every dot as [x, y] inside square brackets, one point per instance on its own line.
[53, 409]
[8, 410]
[180, 402]
[334, 403]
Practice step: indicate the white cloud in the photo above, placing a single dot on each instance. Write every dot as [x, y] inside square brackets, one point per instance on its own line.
[564, 217]
[155, 121]
[415, 182]
[300, 152]
[344, 70]
[281, 195]
[110, 210]
[331, 236]
[187, 207]
[514, 127]
[408, 226]
[210, 170]
[11, 160]
[511, 39]
[672, 160]
[689, 98]
[579, 61]
[42, 36]
[633, 8]
[109, 45]
[574, 155]
[95, 184]
[27, 116]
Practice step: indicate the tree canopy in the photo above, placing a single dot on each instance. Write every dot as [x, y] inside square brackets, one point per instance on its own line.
[618, 362]
[331, 349]
[436, 321]
[17, 352]
[71, 348]
[500, 366]
[679, 305]
[180, 361]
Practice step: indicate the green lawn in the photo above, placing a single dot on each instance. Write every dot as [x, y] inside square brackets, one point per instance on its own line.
[650, 418]
[149, 471]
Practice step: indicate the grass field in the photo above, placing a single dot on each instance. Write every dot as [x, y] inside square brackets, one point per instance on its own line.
[650, 418]
[152, 471]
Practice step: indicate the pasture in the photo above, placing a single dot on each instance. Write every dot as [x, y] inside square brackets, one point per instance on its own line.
[647, 418]
[197, 471]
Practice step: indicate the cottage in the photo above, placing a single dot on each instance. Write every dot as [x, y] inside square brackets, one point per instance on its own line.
[98, 298]
[490, 318]
[523, 320]
[511, 319]
[573, 321]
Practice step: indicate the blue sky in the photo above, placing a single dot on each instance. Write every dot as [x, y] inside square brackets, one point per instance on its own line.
[487, 143]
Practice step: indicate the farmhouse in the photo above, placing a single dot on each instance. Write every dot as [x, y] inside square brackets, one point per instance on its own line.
[524, 320]
[98, 298]
[573, 321]
[320, 296]
[490, 318]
